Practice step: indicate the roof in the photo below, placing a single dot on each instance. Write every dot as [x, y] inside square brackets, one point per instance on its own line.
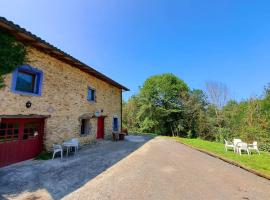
[29, 38]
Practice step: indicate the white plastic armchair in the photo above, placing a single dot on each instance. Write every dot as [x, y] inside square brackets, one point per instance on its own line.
[242, 146]
[228, 145]
[235, 142]
[254, 146]
[57, 148]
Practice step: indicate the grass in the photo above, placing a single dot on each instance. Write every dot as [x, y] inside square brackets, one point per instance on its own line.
[259, 163]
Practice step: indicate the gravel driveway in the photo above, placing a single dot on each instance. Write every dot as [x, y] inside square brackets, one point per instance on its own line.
[158, 169]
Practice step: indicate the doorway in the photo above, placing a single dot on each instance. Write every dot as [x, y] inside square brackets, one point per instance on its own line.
[100, 128]
[85, 126]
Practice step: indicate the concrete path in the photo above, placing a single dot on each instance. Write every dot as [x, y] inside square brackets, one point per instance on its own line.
[158, 169]
[164, 169]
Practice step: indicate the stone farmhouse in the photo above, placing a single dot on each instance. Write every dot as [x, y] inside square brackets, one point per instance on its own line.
[52, 98]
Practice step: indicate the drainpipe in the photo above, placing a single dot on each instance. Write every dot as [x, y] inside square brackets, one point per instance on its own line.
[121, 96]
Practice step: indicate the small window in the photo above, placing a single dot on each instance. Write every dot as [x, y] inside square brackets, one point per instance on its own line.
[27, 80]
[91, 96]
[115, 124]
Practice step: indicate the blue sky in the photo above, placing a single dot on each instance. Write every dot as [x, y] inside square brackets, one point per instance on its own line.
[130, 40]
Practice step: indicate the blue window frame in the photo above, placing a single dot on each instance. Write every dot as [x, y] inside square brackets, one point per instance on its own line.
[115, 124]
[27, 80]
[91, 95]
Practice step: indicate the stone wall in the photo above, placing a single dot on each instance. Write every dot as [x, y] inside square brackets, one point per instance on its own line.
[64, 98]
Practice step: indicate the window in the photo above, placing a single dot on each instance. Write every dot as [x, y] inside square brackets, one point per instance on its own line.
[9, 132]
[27, 80]
[91, 96]
[30, 129]
[115, 124]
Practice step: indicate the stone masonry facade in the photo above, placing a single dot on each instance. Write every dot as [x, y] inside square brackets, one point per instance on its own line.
[64, 98]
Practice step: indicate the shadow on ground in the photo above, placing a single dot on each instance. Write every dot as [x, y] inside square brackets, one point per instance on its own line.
[61, 177]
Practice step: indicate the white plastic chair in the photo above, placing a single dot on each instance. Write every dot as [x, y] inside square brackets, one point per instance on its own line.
[242, 146]
[235, 142]
[254, 146]
[56, 149]
[228, 145]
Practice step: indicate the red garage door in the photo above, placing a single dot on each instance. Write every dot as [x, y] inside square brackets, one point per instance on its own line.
[20, 139]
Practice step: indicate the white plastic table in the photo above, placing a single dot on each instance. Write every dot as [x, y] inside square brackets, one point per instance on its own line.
[69, 145]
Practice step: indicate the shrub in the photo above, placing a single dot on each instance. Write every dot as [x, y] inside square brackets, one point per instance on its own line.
[191, 134]
[264, 147]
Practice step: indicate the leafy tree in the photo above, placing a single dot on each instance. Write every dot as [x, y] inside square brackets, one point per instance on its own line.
[195, 105]
[130, 112]
[161, 104]
[218, 95]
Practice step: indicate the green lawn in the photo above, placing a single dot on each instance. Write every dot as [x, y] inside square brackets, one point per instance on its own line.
[259, 163]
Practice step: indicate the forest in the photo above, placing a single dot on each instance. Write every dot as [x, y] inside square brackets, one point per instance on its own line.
[165, 105]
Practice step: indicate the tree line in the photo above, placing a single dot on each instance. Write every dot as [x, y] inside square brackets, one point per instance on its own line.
[165, 105]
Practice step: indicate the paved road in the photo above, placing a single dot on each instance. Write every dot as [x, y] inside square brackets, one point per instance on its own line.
[157, 169]
[164, 169]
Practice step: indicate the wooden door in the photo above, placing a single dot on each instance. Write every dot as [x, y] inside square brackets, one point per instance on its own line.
[100, 128]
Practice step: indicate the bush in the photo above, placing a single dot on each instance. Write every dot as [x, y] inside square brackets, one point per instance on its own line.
[191, 134]
[223, 133]
[264, 147]
[45, 155]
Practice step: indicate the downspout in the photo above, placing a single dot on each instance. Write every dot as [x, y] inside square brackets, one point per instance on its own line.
[121, 96]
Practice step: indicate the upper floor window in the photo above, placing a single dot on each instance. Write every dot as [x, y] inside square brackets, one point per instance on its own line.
[27, 80]
[91, 96]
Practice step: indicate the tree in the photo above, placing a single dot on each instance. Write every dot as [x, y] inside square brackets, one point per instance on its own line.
[218, 94]
[130, 112]
[160, 101]
[195, 105]
[165, 105]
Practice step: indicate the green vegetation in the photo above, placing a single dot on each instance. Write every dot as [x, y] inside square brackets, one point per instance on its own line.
[165, 105]
[256, 162]
[12, 55]
[45, 155]
[145, 134]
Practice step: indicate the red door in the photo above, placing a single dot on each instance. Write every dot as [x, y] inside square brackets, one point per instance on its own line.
[100, 128]
[20, 139]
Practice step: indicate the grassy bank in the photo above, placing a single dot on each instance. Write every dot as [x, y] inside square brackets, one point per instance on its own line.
[259, 163]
